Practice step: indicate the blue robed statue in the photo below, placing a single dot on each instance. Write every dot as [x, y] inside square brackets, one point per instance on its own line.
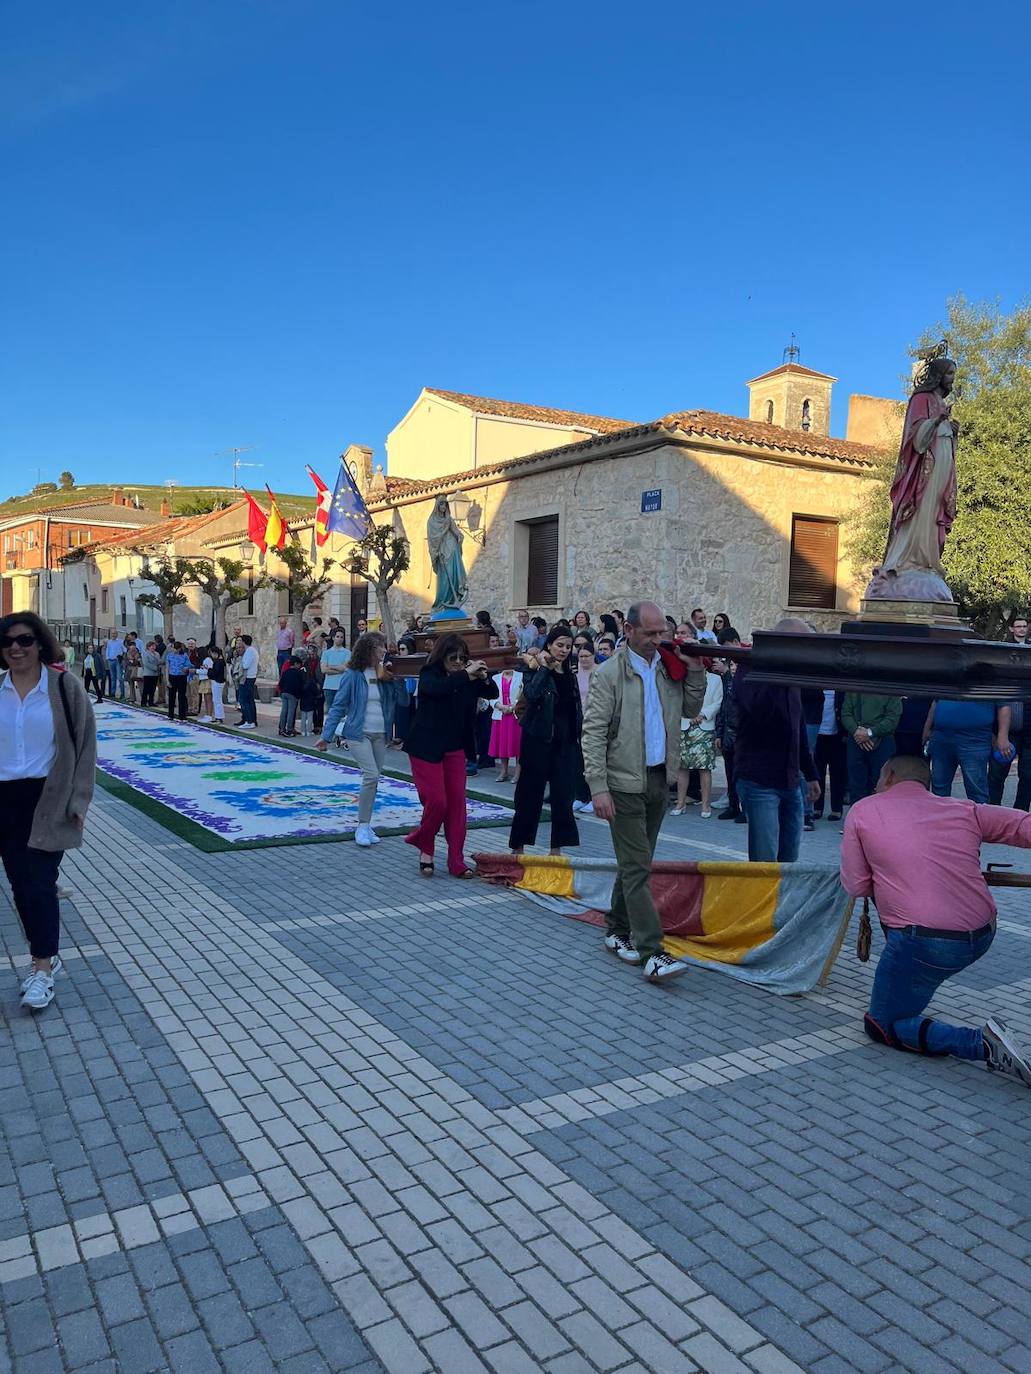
[445, 541]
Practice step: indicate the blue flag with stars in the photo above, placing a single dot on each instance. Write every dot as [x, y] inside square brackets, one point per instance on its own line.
[347, 511]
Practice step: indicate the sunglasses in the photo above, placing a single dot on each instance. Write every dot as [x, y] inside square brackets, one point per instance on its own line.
[22, 641]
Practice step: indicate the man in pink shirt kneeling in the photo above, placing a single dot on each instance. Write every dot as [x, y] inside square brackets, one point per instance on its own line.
[919, 857]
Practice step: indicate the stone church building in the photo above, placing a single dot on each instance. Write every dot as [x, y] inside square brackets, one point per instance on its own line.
[562, 510]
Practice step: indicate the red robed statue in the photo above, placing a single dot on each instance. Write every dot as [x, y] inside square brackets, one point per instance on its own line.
[923, 490]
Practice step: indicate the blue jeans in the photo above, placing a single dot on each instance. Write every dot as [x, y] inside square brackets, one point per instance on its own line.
[864, 766]
[909, 973]
[775, 818]
[970, 750]
[115, 680]
[282, 658]
[287, 712]
[245, 701]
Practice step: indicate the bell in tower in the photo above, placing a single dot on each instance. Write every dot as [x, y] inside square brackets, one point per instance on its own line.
[792, 396]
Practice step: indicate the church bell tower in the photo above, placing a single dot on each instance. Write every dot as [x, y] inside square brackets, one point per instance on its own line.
[792, 396]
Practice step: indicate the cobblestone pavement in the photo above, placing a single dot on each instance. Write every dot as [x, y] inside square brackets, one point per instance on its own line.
[297, 1109]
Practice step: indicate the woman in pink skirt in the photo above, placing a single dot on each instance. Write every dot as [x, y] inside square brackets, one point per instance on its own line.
[505, 733]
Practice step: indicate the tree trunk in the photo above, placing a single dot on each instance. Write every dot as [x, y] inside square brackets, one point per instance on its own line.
[167, 615]
[221, 611]
[386, 618]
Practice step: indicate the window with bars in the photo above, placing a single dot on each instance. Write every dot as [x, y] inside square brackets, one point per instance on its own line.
[542, 562]
[813, 570]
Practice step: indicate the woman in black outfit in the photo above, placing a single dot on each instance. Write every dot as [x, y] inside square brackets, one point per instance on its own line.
[549, 756]
[442, 733]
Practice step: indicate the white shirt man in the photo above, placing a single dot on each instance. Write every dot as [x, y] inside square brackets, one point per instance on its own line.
[114, 648]
[698, 620]
[654, 725]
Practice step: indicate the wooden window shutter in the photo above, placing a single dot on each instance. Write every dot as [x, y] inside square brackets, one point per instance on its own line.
[813, 574]
[542, 563]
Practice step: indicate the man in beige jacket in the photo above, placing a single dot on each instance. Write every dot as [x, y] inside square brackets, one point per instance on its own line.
[631, 746]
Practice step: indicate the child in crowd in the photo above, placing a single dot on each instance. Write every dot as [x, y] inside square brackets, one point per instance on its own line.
[309, 700]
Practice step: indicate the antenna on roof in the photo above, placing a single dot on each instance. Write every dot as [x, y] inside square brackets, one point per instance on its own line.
[792, 353]
[238, 463]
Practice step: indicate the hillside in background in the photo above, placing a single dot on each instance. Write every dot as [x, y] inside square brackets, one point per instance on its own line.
[184, 500]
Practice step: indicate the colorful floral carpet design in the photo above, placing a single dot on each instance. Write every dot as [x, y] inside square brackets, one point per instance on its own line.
[221, 791]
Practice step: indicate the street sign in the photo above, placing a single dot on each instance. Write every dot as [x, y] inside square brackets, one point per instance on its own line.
[651, 501]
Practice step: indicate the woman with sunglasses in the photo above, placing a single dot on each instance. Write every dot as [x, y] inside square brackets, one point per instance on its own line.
[549, 756]
[442, 736]
[48, 755]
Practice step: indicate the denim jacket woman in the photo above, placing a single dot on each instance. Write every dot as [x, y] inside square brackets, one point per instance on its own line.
[350, 702]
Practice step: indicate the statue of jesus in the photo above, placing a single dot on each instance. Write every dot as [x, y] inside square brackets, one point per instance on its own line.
[923, 490]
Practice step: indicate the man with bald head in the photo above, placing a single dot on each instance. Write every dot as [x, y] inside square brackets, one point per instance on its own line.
[919, 857]
[631, 747]
[771, 758]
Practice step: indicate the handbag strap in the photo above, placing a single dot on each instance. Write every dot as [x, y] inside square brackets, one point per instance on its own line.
[62, 692]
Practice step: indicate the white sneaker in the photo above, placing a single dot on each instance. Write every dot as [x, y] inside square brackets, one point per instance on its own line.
[661, 967]
[373, 837]
[55, 967]
[37, 991]
[622, 947]
[1005, 1053]
[705, 815]
[204, 720]
[364, 837]
[247, 725]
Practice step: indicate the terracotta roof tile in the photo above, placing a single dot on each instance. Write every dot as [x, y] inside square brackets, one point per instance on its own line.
[161, 532]
[545, 415]
[709, 423]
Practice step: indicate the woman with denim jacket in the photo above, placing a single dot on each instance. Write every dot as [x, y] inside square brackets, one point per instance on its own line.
[365, 703]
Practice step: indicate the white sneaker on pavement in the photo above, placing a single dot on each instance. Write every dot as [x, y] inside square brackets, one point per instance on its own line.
[363, 837]
[373, 837]
[37, 991]
[1005, 1053]
[661, 967]
[204, 720]
[622, 947]
[55, 967]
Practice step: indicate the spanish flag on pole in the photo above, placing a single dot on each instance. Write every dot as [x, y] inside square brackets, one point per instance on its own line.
[277, 528]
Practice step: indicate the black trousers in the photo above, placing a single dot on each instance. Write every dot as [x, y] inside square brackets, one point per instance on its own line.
[97, 683]
[177, 692]
[32, 873]
[830, 758]
[555, 766]
[733, 805]
[149, 688]
[483, 720]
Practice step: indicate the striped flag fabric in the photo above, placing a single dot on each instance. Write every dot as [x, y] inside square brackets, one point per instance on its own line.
[277, 529]
[779, 926]
[322, 504]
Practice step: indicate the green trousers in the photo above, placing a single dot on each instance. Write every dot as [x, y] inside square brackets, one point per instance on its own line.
[635, 831]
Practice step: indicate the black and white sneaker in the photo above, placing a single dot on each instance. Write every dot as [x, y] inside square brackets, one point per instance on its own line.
[661, 967]
[55, 967]
[622, 948]
[1005, 1053]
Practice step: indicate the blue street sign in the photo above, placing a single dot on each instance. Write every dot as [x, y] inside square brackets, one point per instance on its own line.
[651, 500]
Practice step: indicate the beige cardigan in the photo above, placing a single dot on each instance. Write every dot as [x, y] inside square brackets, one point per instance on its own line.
[69, 786]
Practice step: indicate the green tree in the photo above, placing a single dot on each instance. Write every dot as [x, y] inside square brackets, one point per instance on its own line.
[304, 583]
[169, 576]
[987, 558]
[381, 558]
[66, 481]
[221, 580]
[199, 505]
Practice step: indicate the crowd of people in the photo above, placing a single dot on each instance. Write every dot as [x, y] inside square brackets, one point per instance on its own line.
[622, 717]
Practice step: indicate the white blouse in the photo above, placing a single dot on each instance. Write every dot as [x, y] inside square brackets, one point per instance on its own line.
[27, 744]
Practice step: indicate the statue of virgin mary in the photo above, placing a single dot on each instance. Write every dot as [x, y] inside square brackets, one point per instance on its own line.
[445, 541]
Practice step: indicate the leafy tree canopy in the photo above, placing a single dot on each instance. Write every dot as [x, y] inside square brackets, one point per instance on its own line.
[987, 558]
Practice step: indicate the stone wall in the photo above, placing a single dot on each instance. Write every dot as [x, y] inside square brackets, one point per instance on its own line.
[721, 539]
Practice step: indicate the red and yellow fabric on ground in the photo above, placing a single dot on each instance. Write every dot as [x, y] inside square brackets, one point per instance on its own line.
[777, 925]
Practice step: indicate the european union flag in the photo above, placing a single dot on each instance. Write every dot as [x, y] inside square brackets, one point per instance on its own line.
[347, 511]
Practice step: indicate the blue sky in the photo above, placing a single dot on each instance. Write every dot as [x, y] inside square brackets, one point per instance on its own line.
[270, 223]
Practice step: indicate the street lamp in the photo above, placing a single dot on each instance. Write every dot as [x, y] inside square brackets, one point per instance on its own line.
[246, 552]
[468, 514]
